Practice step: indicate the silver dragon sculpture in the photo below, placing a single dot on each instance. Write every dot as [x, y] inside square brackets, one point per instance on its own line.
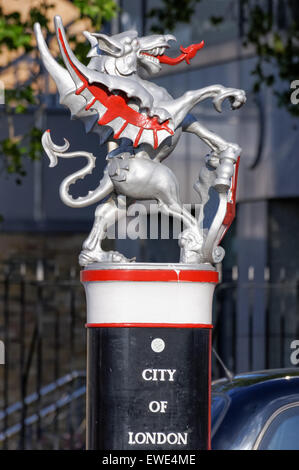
[113, 99]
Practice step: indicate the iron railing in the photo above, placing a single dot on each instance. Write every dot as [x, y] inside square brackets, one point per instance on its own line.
[255, 323]
[42, 383]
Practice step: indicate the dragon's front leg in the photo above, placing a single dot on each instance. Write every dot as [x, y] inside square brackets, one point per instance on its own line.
[106, 214]
[224, 154]
[180, 107]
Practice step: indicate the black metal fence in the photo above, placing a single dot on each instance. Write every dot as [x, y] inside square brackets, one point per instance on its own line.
[255, 324]
[42, 384]
[42, 316]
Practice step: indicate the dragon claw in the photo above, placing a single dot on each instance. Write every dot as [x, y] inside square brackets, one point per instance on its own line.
[99, 256]
[236, 104]
[236, 97]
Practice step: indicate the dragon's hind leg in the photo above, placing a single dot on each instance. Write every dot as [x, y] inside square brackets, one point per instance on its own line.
[191, 239]
[106, 215]
[170, 202]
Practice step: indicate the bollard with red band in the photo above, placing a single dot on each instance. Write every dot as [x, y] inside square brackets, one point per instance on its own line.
[149, 356]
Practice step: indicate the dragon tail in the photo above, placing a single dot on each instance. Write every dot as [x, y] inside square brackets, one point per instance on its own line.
[54, 151]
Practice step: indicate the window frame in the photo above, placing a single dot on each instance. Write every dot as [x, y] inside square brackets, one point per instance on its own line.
[270, 420]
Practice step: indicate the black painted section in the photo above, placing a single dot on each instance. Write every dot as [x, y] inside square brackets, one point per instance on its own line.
[118, 397]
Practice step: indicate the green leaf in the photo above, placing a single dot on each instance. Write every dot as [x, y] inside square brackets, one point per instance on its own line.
[216, 20]
[278, 44]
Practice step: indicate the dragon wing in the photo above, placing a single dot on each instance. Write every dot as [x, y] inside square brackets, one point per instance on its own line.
[102, 101]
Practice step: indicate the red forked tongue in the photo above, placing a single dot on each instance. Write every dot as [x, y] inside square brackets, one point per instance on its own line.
[187, 54]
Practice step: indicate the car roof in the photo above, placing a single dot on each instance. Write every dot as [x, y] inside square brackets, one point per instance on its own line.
[246, 379]
[251, 398]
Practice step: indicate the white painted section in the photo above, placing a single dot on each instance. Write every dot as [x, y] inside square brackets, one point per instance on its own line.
[149, 302]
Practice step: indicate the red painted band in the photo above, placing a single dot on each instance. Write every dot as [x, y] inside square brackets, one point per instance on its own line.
[150, 275]
[148, 325]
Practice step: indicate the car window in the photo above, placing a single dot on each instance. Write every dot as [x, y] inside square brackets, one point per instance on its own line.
[283, 431]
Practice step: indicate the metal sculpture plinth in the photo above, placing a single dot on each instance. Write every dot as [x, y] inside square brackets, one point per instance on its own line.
[149, 356]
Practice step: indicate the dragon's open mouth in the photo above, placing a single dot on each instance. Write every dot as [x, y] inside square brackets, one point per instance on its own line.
[154, 55]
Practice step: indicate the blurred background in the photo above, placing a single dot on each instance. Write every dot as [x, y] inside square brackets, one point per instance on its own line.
[253, 45]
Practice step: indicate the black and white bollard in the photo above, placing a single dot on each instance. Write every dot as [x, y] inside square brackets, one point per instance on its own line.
[149, 356]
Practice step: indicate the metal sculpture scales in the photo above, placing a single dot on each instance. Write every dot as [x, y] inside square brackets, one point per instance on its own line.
[146, 122]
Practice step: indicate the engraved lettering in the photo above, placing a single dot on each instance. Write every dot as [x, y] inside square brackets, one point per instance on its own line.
[158, 375]
[158, 438]
[158, 406]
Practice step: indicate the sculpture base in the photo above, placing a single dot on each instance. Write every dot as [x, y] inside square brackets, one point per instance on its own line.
[149, 356]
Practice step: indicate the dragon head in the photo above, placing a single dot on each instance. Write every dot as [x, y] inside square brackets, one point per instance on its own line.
[124, 53]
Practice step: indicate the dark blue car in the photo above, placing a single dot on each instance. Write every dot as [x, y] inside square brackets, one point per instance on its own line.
[258, 410]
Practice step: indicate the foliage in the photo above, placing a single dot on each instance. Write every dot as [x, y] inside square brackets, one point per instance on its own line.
[172, 12]
[275, 36]
[96, 10]
[17, 34]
